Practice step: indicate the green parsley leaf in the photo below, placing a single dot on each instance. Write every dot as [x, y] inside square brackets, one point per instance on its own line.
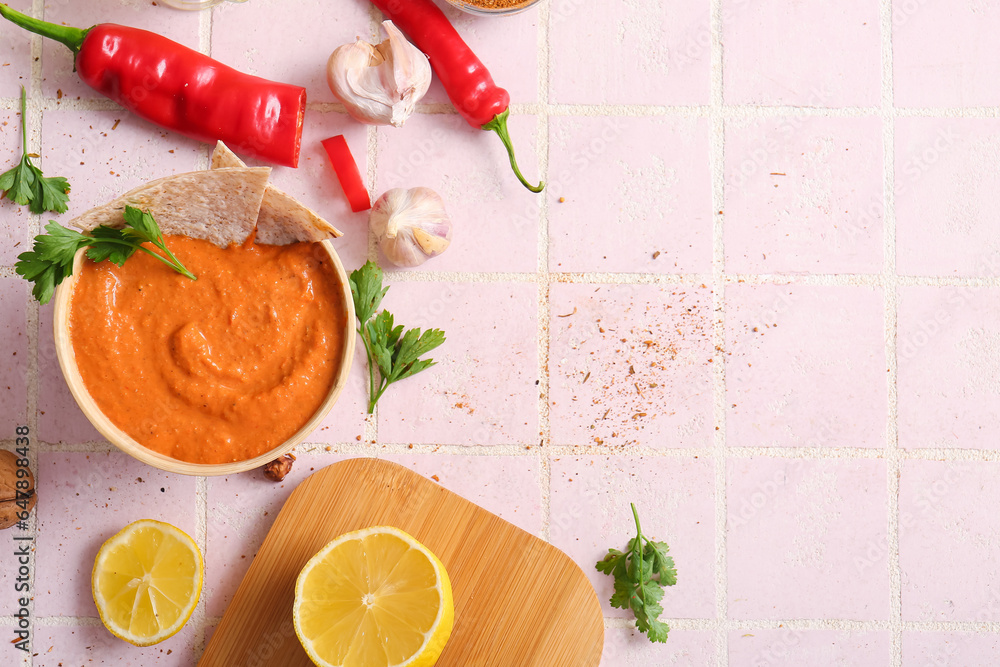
[641, 573]
[113, 247]
[18, 184]
[394, 352]
[26, 186]
[51, 258]
[141, 226]
[406, 360]
[367, 290]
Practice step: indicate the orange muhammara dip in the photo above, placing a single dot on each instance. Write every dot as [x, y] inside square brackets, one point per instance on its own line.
[217, 370]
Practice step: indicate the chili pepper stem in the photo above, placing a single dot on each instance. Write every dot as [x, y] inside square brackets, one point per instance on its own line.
[499, 125]
[68, 35]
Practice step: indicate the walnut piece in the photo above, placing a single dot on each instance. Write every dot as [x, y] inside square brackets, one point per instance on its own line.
[279, 467]
[9, 479]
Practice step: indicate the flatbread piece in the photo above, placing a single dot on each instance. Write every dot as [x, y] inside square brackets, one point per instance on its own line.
[283, 219]
[220, 206]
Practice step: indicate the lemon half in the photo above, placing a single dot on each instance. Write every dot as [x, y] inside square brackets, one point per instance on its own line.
[374, 598]
[146, 581]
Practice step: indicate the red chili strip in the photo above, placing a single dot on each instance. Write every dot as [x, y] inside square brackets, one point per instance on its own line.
[348, 173]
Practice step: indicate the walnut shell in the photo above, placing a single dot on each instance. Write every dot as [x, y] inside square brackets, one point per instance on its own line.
[8, 489]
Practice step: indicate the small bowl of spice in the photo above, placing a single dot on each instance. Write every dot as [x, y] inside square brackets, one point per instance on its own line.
[493, 7]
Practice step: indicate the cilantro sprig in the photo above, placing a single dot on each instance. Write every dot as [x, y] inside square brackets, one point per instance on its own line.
[51, 258]
[395, 353]
[641, 572]
[25, 184]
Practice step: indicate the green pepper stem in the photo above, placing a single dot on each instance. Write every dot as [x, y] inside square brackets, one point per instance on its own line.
[499, 125]
[71, 37]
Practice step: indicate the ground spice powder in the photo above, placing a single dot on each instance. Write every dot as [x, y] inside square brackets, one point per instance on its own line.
[497, 4]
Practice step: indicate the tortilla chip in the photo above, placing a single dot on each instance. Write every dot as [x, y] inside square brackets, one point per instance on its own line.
[283, 219]
[220, 206]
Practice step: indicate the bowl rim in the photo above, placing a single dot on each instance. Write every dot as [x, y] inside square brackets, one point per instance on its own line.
[71, 373]
[469, 8]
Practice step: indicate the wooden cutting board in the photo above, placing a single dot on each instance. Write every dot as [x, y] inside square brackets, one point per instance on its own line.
[519, 601]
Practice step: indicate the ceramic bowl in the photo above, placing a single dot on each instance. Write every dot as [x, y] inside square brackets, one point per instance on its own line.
[67, 362]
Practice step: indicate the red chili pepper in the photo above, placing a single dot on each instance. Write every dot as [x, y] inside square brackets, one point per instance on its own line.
[347, 172]
[469, 84]
[181, 89]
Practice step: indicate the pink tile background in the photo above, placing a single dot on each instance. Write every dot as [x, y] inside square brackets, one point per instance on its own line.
[804, 195]
[15, 54]
[946, 189]
[967, 649]
[647, 207]
[663, 44]
[816, 648]
[818, 54]
[937, 53]
[14, 352]
[946, 517]
[803, 539]
[805, 367]
[671, 228]
[948, 343]
[616, 380]
[684, 648]
[482, 390]
[58, 646]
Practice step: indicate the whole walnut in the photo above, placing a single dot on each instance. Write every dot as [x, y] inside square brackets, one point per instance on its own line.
[9, 478]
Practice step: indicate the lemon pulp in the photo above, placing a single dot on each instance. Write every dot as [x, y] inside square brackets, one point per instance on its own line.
[374, 598]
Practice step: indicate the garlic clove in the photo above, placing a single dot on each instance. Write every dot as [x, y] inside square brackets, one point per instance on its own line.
[411, 226]
[380, 85]
[431, 245]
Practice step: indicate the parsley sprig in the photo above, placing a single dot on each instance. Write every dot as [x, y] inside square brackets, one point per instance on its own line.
[25, 185]
[395, 353]
[51, 258]
[641, 572]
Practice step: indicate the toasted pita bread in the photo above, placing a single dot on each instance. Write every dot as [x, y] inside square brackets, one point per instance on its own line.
[283, 219]
[220, 206]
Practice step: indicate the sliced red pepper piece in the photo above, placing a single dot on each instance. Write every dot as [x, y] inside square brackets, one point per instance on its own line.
[348, 173]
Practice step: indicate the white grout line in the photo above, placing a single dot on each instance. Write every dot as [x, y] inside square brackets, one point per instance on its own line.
[717, 163]
[370, 435]
[544, 311]
[874, 280]
[555, 450]
[736, 111]
[890, 296]
[695, 624]
[34, 120]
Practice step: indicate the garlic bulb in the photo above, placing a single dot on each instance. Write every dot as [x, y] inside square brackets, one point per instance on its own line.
[411, 225]
[380, 84]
